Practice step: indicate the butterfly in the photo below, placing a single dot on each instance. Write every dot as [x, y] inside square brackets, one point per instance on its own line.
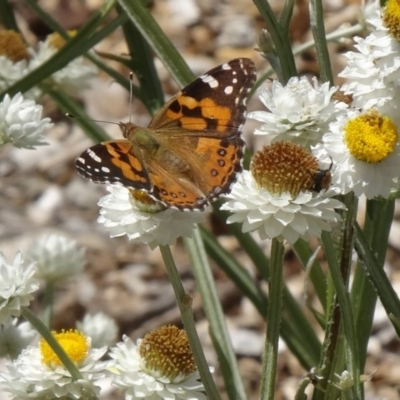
[192, 150]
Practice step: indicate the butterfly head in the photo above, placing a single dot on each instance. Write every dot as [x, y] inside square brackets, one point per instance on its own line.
[127, 129]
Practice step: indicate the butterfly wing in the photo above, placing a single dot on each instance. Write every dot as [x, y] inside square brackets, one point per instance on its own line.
[214, 103]
[198, 132]
[113, 162]
[202, 125]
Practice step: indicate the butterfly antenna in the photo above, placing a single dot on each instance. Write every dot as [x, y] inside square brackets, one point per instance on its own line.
[130, 95]
[92, 120]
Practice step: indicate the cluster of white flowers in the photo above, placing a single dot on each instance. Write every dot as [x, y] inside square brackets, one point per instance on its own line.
[17, 60]
[20, 117]
[160, 366]
[358, 137]
[352, 132]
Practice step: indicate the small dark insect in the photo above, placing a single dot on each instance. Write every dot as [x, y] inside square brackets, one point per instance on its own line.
[322, 179]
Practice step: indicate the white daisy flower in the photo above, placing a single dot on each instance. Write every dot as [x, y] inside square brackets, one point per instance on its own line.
[75, 76]
[365, 150]
[21, 122]
[39, 374]
[16, 286]
[373, 73]
[299, 112]
[133, 213]
[369, 9]
[160, 366]
[15, 337]
[11, 72]
[14, 58]
[101, 328]
[57, 257]
[14, 62]
[284, 196]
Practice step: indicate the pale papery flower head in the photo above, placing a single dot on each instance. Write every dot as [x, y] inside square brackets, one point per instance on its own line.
[299, 112]
[285, 195]
[14, 58]
[133, 213]
[15, 337]
[101, 328]
[21, 122]
[58, 258]
[364, 148]
[373, 71]
[159, 366]
[17, 285]
[74, 77]
[39, 374]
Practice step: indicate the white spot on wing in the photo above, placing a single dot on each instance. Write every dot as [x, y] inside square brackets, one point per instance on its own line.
[106, 170]
[212, 82]
[228, 90]
[95, 157]
[226, 66]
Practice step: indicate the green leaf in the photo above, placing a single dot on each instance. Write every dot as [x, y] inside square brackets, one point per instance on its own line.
[141, 63]
[7, 17]
[158, 41]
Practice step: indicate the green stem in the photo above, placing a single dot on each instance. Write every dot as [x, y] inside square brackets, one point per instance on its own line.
[342, 316]
[379, 217]
[379, 279]
[270, 357]
[218, 330]
[280, 37]
[48, 300]
[158, 41]
[318, 29]
[185, 306]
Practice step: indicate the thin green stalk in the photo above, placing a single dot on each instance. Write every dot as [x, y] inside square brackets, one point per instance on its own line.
[270, 356]
[379, 279]
[141, 62]
[378, 221]
[158, 41]
[330, 37]
[317, 277]
[7, 16]
[48, 302]
[297, 331]
[280, 37]
[318, 29]
[215, 316]
[184, 303]
[343, 315]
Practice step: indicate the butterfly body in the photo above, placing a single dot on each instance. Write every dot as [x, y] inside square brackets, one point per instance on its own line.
[191, 151]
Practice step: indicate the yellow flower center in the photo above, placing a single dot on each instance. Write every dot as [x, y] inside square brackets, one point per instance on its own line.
[371, 137]
[285, 167]
[143, 202]
[166, 352]
[391, 18]
[12, 46]
[58, 41]
[73, 342]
